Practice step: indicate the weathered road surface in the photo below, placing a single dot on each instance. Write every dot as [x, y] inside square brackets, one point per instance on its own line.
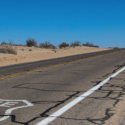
[29, 98]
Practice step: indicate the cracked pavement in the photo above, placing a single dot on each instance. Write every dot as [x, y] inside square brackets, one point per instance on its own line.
[50, 89]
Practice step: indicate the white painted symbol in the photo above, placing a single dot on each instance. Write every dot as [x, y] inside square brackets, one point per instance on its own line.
[8, 104]
[12, 105]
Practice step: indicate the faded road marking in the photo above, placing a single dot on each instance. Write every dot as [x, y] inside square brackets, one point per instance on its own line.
[11, 104]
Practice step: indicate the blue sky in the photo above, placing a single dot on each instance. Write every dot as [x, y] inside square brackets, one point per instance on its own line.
[101, 22]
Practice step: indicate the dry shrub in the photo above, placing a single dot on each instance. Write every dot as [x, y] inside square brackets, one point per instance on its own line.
[8, 50]
[52, 47]
[76, 43]
[3, 43]
[63, 45]
[47, 44]
[116, 48]
[88, 44]
[31, 42]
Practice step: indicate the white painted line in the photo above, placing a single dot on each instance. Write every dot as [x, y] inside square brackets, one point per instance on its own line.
[10, 103]
[75, 101]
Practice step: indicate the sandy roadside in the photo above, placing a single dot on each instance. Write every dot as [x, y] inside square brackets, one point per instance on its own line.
[30, 54]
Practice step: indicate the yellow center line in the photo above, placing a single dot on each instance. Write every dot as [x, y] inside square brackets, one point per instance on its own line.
[51, 66]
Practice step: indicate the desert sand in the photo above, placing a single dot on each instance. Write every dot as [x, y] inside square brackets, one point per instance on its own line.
[30, 54]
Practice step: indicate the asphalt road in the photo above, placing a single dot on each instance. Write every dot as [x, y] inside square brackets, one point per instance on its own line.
[34, 96]
[6, 70]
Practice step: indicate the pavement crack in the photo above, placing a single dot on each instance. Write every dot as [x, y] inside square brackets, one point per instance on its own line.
[108, 111]
[46, 112]
[117, 68]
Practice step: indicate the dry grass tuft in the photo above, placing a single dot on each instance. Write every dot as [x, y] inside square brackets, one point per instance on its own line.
[7, 50]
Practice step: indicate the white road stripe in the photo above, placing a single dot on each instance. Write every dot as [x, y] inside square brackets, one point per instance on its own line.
[75, 101]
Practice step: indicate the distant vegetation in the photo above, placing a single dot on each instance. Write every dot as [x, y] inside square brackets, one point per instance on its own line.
[47, 44]
[8, 50]
[9, 43]
[30, 42]
[76, 43]
[3, 43]
[116, 48]
[5, 47]
[63, 45]
[89, 44]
